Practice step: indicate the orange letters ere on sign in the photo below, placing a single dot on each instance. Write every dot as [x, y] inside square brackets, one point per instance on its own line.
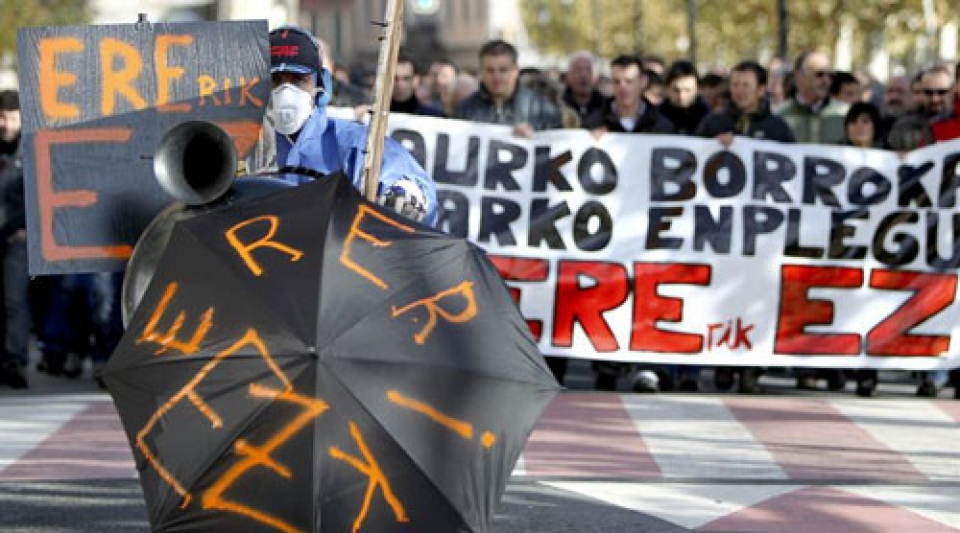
[121, 68]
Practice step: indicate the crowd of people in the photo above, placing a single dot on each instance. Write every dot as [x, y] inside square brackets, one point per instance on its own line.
[806, 102]
[77, 316]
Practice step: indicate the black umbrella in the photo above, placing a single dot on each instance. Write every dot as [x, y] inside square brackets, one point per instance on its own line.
[310, 362]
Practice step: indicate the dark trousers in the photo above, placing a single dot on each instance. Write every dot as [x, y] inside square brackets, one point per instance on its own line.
[16, 302]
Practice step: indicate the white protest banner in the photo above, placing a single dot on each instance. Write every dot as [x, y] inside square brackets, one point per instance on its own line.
[672, 249]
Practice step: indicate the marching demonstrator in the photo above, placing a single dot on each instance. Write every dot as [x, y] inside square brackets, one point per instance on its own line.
[310, 142]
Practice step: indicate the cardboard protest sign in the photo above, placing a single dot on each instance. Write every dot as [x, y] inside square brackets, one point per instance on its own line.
[673, 249]
[96, 101]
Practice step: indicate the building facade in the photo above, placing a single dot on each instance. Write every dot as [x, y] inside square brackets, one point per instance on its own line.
[453, 29]
[119, 11]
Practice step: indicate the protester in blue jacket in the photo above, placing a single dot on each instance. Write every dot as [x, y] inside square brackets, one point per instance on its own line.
[308, 142]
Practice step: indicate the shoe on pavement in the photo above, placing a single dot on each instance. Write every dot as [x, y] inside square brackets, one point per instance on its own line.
[52, 363]
[723, 378]
[749, 378]
[606, 382]
[72, 366]
[867, 381]
[665, 382]
[98, 367]
[646, 381]
[927, 389]
[807, 383]
[12, 375]
[866, 387]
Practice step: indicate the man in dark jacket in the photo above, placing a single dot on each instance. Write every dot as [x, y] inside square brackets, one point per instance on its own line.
[683, 106]
[404, 98]
[13, 243]
[748, 113]
[501, 100]
[627, 111]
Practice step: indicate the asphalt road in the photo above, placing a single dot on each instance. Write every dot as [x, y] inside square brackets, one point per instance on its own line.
[116, 506]
[783, 461]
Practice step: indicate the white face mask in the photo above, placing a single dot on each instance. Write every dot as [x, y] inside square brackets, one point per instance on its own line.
[291, 107]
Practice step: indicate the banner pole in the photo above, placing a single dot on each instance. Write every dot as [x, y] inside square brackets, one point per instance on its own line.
[386, 66]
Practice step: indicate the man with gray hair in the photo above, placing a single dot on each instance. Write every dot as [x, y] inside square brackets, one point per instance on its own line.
[931, 100]
[581, 79]
[815, 118]
[896, 97]
[811, 114]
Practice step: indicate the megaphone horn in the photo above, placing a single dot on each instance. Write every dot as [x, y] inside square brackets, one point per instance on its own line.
[195, 162]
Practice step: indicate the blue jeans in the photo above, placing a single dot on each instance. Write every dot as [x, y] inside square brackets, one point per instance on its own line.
[82, 315]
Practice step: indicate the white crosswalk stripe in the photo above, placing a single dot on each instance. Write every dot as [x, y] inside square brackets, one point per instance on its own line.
[687, 505]
[935, 503]
[696, 437]
[26, 423]
[918, 430]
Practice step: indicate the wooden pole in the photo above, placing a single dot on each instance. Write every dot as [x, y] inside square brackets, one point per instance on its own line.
[386, 66]
[783, 31]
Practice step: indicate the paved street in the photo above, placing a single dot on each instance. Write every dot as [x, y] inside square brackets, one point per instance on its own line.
[783, 461]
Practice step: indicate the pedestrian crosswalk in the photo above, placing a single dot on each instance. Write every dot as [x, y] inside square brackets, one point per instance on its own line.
[62, 438]
[724, 438]
[24, 424]
[734, 463]
[708, 463]
[698, 437]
